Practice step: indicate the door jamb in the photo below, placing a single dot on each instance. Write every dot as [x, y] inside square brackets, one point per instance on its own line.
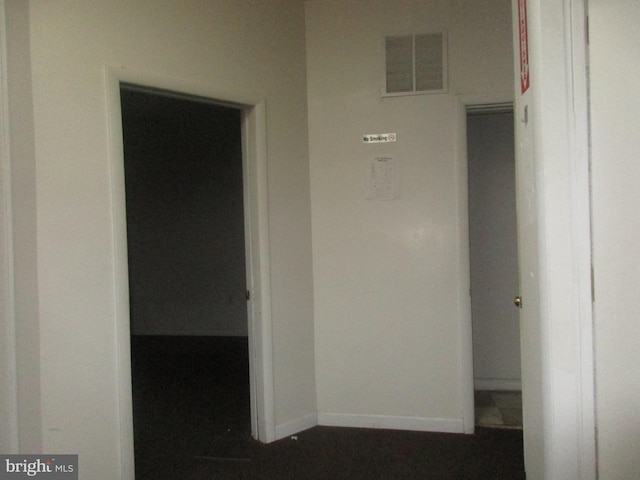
[8, 348]
[256, 248]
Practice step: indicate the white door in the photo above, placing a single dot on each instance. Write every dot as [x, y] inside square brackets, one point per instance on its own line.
[530, 328]
[552, 196]
[527, 198]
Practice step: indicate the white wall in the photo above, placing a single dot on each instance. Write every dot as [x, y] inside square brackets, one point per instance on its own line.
[386, 279]
[242, 48]
[614, 43]
[493, 251]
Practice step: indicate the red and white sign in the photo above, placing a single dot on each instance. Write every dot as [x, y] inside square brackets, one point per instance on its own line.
[525, 81]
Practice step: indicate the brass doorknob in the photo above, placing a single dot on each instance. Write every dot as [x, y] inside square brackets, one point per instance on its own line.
[518, 301]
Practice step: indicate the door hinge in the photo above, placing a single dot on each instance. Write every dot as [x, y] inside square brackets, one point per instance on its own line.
[247, 295]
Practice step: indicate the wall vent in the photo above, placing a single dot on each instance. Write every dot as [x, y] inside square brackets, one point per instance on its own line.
[415, 64]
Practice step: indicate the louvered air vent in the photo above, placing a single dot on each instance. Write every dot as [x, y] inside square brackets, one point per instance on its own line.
[415, 64]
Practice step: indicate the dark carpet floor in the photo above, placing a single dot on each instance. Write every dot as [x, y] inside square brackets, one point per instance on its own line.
[191, 422]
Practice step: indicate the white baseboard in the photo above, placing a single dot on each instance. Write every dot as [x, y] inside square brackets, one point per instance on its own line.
[497, 384]
[421, 424]
[294, 426]
[446, 425]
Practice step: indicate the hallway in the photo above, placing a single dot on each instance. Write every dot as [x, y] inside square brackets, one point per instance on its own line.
[498, 409]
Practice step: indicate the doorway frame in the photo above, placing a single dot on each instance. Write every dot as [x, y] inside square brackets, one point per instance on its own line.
[256, 222]
[464, 265]
[497, 384]
[9, 440]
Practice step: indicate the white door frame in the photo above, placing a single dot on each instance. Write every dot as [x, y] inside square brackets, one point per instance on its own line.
[256, 240]
[464, 271]
[8, 373]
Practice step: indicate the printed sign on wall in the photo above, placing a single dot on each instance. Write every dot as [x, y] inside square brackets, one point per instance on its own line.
[525, 81]
[379, 138]
[383, 179]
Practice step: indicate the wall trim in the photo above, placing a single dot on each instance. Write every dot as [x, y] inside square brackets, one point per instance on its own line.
[393, 422]
[254, 139]
[8, 348]
[578, 63]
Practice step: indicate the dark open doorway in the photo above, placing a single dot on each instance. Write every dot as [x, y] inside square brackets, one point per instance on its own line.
[187, 277]
[493, 255]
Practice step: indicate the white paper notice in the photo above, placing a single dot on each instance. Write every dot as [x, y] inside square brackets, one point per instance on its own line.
[383, 179]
